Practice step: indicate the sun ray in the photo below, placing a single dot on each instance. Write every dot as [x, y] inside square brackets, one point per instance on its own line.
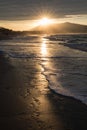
[44, 21]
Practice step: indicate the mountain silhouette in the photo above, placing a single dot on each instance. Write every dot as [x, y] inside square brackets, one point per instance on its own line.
[52, 28]
[62, 28]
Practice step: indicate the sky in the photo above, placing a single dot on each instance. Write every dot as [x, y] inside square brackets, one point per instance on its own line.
[22, 14]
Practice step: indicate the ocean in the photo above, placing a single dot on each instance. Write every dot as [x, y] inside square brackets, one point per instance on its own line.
[62, 58]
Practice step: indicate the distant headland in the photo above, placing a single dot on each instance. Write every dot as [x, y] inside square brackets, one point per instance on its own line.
[62, 28]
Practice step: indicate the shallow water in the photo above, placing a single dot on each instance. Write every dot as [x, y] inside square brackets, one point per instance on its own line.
[64, 68]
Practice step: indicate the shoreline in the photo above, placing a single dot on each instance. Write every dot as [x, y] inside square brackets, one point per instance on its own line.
[65, 96]
[49, 111]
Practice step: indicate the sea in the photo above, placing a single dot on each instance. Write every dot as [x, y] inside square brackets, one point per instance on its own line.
[62, 57]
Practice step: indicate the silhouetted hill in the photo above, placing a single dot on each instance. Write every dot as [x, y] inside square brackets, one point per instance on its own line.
[62, 28]
[8, 34]
[4, 33]
[53, 28]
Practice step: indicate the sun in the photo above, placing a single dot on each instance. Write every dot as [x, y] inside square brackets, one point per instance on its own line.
[45, 21]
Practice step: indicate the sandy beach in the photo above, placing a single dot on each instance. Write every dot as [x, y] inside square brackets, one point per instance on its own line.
[28, 107]
[43, 64]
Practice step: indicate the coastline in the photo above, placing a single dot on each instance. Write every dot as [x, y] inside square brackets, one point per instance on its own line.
[46, 111]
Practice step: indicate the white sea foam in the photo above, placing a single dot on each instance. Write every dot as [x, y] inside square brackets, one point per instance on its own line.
[67, 80]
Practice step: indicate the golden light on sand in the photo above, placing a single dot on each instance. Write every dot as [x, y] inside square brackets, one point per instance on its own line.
[44, 47]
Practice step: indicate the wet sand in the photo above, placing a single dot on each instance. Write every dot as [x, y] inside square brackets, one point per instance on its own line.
[28, 107]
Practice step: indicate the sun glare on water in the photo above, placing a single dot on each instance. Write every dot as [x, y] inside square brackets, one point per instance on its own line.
[44, 47]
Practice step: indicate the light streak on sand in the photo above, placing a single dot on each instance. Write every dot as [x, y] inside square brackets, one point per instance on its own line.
[44, 47]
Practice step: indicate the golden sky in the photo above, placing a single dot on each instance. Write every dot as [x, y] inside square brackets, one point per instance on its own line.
[24, 14]
[29, 24]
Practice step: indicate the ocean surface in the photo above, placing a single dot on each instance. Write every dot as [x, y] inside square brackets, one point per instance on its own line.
[63, 59]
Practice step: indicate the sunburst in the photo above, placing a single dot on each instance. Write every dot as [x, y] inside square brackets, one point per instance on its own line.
[45, 21]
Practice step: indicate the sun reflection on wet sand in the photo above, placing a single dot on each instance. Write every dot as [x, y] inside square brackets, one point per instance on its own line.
[44, 47]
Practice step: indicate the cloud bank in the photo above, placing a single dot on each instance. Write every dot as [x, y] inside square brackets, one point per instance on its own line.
[30, 9]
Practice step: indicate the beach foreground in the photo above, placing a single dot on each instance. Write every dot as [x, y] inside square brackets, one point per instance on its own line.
[27, 103]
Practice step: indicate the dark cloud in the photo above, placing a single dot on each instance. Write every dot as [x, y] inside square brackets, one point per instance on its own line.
[29, 9]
